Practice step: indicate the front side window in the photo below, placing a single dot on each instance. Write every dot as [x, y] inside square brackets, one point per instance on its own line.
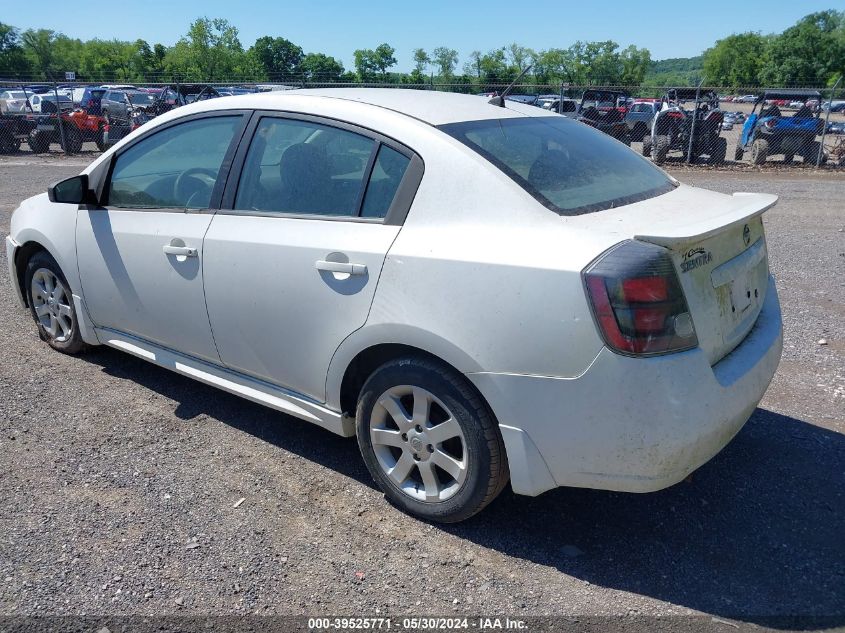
[174, 168]
[300, 167]
[569, 167]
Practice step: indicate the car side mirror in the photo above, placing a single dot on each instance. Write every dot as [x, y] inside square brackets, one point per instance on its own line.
[73, 190]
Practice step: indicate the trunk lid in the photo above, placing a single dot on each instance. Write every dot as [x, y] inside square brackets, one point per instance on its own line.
[718, 247]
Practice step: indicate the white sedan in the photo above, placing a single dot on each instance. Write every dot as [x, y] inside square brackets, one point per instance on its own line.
[479, 293]
[12, 101]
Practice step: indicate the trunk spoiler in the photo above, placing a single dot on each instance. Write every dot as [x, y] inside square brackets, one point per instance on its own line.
[743, 207]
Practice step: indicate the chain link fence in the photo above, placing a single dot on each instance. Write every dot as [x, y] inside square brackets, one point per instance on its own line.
[693, 125]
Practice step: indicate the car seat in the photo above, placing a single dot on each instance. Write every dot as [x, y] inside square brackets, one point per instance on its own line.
[305, 180]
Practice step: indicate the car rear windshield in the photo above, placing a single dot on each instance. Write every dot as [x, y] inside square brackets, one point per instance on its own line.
[569, 167]
[141, 98]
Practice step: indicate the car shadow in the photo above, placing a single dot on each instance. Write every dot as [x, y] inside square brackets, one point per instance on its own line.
[757, 534]
[195, 399]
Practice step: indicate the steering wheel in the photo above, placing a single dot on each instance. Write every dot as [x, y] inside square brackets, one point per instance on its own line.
[181, 188]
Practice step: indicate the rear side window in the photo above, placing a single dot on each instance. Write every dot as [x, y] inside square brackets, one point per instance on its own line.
[301, 167]
[568, 166]
[388, 171]
[174, 168]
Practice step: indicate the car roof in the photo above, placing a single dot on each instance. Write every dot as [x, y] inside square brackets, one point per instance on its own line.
[432, 107]
[789, 94]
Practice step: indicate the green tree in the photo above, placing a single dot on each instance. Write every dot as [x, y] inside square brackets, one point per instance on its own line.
[39, 48]
[280, 58]
[810, 53]
[446, 60]
[373, 64]
[634, 63]
[421, 63]
[12, 57]
[210, 51]
[735, 60]
[321, 67]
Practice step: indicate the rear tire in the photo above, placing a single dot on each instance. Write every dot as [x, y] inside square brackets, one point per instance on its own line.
[759, 151]
[719, 151]
[738, 153]
[647, 146]
[660, 149]
[414, 417]
[73, 140]
[38, 141]
[51, 304]
[101, 139]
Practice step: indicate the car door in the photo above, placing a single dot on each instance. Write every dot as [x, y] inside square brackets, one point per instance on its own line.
[140, 253]
[293, 258]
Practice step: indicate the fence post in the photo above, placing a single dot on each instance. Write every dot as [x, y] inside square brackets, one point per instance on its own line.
[694, 118]
[826, 121]
[59, 118]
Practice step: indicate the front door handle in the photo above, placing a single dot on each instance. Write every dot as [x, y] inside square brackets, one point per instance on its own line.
[342, 267]
[180, 251]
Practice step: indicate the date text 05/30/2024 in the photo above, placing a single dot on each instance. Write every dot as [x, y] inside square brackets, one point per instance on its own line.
[416, 624]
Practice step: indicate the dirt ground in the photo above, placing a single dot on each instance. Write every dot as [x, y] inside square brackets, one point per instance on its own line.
[119, 482]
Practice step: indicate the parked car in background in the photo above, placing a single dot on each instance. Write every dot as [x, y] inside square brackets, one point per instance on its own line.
[639, 118]
[835, 106]
[567, 107]
[746, 99]
[91, 100]
[836, 127]
[13, 101]
[118, 87]
[39, 89]
[117, 105]
[360, 197]
[46, 102]
[526, 99]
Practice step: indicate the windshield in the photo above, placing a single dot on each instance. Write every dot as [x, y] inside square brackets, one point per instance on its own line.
[141, 98]
[569, 167]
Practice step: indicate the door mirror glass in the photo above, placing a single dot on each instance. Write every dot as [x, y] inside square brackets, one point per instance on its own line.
[72, 191]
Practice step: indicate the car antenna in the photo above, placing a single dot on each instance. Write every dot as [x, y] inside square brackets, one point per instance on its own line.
[500, 100]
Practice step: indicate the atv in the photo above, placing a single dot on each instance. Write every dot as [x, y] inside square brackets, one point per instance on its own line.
[674, 125]
[767, 131]
[605, 110]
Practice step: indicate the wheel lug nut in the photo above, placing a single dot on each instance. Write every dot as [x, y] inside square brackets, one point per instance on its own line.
[405, 436]
[418, 428]
[430, 448]
[416, 457]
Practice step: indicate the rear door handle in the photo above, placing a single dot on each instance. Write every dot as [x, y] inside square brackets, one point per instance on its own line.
[183, 251]
[342, 267]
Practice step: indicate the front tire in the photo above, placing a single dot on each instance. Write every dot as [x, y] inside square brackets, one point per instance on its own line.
[429, 441]
[660, 149]
[759, 151]
[51, 304]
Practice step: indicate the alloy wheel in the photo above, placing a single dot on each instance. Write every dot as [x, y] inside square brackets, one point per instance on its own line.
[419, 444]
[51, 302]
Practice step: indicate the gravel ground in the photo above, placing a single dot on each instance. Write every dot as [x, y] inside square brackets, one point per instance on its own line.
[120, 480]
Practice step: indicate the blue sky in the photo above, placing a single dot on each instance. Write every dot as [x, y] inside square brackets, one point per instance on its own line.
[337, 27]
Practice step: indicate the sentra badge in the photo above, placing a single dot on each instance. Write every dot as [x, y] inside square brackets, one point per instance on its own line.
[694, 258]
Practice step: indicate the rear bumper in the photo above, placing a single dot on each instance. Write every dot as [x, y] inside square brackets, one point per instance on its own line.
[632, 424]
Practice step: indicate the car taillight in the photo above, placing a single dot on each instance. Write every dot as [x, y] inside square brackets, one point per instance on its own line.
[637, 301]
